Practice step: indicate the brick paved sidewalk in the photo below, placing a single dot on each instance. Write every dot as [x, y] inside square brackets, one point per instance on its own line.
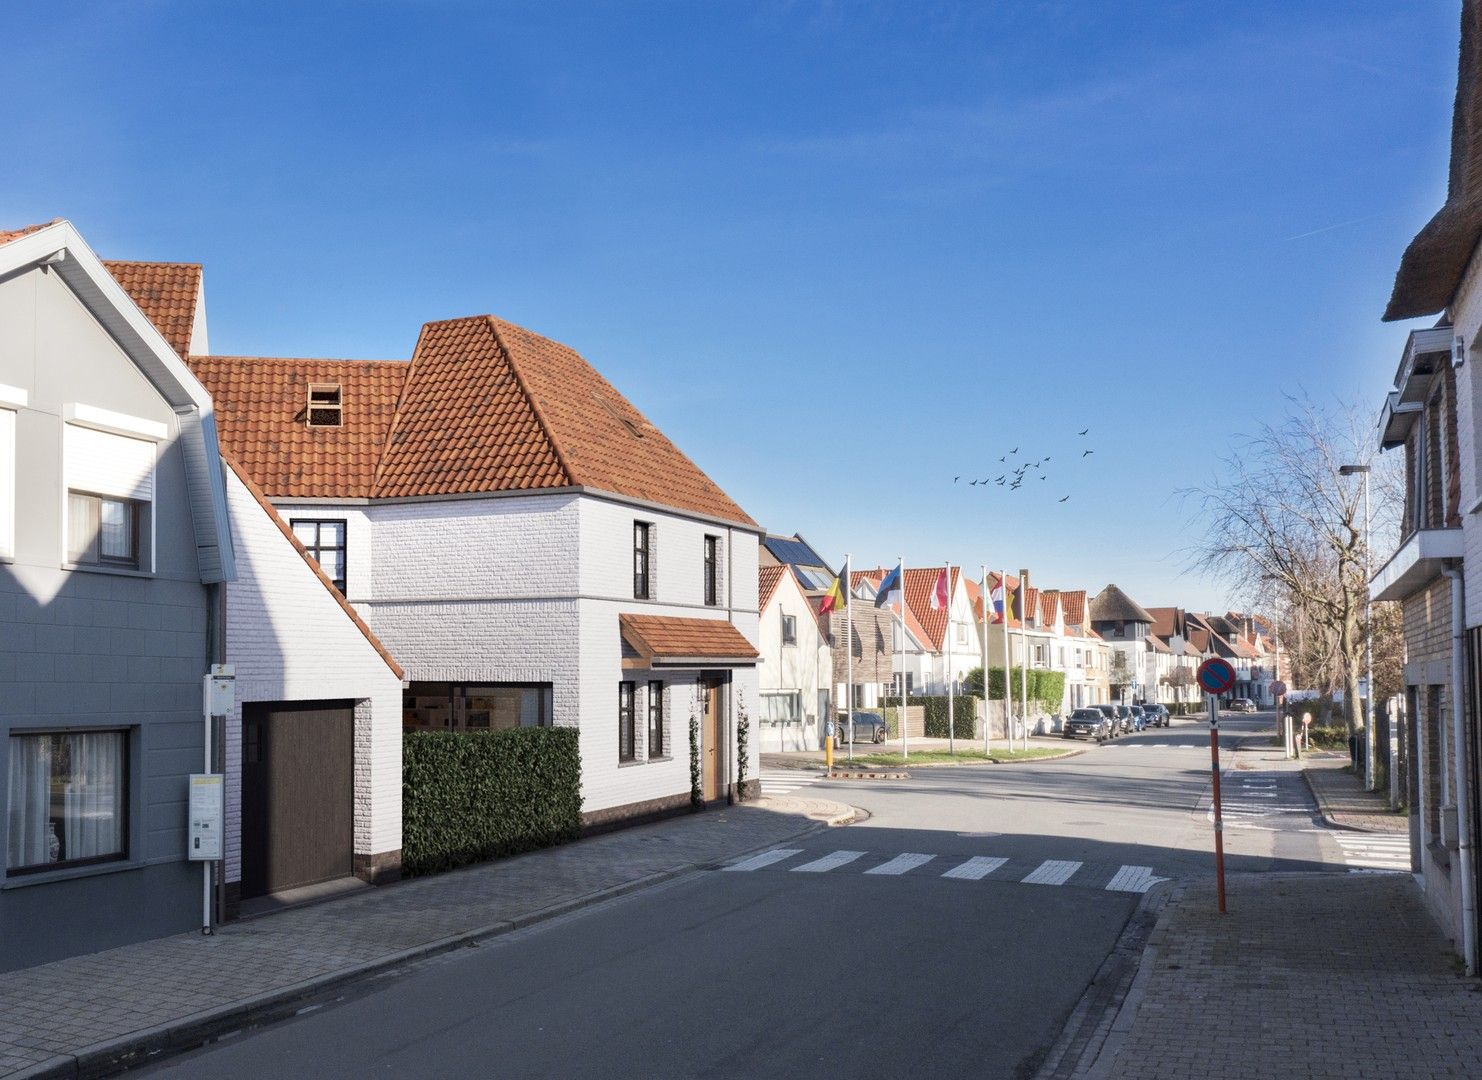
[81, 1014]
[1344, 802]
[1310, 975]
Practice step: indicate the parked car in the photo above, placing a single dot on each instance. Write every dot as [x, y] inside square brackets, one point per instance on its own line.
[1241, 704]
[1113, 723]
[1139, 718]
[1086, 724]
[869, 727]
[1157, 715]
[1124, 718]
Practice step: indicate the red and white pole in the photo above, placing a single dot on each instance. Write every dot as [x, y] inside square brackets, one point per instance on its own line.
[1219, 821]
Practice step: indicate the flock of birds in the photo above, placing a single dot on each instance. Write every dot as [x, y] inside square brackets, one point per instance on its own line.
[1014, 478]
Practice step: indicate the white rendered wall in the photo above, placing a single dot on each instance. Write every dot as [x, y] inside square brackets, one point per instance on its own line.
[805, 666]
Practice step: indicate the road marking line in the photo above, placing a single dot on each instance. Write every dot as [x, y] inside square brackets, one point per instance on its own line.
[766, 858]
[828, 862]
[1137, 879]
[976, 868]
[1052, 872]
[901, 863]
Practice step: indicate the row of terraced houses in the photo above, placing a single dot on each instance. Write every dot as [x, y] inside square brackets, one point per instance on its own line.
[484, 536]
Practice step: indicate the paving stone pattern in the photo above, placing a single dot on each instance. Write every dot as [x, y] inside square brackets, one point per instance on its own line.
[64, 1007]
[1310, 975]
[1344, 801]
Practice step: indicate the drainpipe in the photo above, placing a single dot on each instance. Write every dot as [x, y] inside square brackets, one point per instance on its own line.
[1459, 785]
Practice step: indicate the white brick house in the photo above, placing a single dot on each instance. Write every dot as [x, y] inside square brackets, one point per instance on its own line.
[528, 547]
[796, 668]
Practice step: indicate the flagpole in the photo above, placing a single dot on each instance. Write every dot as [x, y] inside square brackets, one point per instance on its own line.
[901, 584]
[987, 600]
[951, 689]
[1024, 640]
[849, 652]
[1008, 666]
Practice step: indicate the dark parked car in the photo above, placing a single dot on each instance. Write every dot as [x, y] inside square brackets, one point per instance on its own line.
[1124, 718]
[1087, 724]
[869, 727]
[1157, 715]
[1113, 724]
[1241, 704]
[1139, 718]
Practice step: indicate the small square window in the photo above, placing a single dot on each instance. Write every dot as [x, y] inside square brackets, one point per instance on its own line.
[326, 405]
[104, 531]
[67, 804]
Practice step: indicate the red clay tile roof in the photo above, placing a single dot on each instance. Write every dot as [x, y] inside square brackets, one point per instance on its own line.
[260, 403]
[667, 637]
[1074, 604]
[920, 583]
[7, 235]
[276, 518]
[1165, 621]
[484, 406]
[1049, 607]
[166, 293]
[768, 578]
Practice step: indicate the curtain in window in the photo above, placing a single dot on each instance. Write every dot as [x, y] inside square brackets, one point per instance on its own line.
[116, 537]
[92, 797]
[30, 774]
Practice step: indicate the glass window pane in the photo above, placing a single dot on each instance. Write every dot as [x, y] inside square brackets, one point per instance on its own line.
[82, 527]
[116, 534]
[332, 534]
[66, 798]
[333, 564]
[307, 533]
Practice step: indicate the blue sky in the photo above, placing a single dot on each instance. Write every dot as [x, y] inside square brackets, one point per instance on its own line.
[839, 252]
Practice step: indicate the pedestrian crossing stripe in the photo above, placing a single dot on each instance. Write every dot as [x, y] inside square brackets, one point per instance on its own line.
[828, 862]
[901, 864]
[766, 858]
[976, 868]
[1133, 879]
[1053, 872]
[1050, 872]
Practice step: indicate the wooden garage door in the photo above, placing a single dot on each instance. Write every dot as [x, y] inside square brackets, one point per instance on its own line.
[298, 794]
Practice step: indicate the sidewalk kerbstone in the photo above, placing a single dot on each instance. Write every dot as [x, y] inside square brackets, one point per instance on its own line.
[108, 1009]
[1343, 801]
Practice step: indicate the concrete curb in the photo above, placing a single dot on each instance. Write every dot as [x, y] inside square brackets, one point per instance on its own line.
[1109, 1028]
[1330, 816]
[176, 1036]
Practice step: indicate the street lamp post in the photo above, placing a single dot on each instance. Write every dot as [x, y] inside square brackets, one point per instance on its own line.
[1369, 742]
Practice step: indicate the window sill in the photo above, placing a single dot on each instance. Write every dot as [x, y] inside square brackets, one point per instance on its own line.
[69, 873]
[116, 571]
[661, 757]
[630, 764]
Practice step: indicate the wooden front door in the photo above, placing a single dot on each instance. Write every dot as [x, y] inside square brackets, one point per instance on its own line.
[298, 794]
[713, 738]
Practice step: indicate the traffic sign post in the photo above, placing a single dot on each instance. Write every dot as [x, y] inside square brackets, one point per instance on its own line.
[1216, 677]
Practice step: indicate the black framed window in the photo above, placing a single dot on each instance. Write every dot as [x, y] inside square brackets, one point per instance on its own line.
[103, 530]
[326, 541]
[626, 749]
[789, 629]
[712, 569]
[642, 550]
[68, 799]
[655, 719]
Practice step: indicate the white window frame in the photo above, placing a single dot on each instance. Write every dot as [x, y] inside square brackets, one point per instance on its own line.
[91, 417]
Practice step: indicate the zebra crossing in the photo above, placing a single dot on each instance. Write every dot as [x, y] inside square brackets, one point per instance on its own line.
[786, 781]
[1049, 872]
[1371, 853]
[1268, 801]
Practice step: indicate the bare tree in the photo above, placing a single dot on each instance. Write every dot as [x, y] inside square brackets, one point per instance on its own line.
[1281, 514]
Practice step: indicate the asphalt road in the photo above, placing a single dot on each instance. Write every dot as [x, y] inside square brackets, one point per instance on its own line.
[908, 944]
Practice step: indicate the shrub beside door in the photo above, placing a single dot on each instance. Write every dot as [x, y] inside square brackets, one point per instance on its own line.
[476, 795]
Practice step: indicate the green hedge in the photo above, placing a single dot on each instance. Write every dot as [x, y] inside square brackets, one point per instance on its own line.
[476, 795]
[1046, 688]
[964, 709]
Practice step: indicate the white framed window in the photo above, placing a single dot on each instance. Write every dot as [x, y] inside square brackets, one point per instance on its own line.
[109, 478]
[789, 629]
[962, 633]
